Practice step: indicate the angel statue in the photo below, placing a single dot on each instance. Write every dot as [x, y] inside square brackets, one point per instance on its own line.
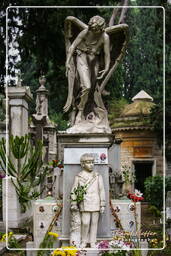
[93, 52]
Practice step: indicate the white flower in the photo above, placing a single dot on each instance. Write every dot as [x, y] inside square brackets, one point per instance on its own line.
[138, 193]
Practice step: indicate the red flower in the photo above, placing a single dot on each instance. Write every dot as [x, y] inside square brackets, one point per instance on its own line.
[134, 197]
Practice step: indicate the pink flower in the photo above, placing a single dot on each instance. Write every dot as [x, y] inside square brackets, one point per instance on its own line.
[2, 175]
[103, 245]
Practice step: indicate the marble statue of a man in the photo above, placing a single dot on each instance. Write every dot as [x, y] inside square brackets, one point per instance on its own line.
[93, 201]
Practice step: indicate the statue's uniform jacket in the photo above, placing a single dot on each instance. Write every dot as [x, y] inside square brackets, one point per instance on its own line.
[95, 192]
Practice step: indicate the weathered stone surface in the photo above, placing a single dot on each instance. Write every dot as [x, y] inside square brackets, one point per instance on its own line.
[18, 102]
[14, 217]
[126, 215]
[44, 211]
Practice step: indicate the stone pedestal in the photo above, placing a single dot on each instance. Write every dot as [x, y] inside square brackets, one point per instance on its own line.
[12, 215]
[44, 211]
[78, 145]
[18, 109]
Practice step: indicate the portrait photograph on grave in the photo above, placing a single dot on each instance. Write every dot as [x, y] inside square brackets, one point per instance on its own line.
[85, 149]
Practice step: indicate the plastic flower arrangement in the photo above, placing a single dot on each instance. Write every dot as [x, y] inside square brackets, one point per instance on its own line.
[136, 196]
[57, 163]
[107, 248]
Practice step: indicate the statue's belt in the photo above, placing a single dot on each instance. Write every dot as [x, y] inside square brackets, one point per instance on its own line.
[89, 182]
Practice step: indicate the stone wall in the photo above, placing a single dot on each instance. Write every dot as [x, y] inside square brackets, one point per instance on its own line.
[140, 145]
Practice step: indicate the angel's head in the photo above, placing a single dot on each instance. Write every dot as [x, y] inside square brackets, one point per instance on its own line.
[97, 24]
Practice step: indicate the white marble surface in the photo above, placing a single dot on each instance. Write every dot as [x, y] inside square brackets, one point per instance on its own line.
[12, 215]
[43, 217]
[125, 215]
[72, 155]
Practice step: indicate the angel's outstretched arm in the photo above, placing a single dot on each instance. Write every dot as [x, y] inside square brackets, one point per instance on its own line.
[72, 48]
[106, 56]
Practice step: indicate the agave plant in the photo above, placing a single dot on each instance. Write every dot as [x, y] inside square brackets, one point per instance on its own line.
[24, 162]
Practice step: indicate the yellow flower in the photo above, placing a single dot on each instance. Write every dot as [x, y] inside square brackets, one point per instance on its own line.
[3, 239]
[59, 252]
[10, 235]
[53, 234]
[70, 250]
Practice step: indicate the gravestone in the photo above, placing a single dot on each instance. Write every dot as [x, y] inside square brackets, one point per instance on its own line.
[44, 211]
[125, 212]
[72, 153]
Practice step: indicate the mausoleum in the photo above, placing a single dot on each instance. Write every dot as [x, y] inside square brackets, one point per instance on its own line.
[139, 148]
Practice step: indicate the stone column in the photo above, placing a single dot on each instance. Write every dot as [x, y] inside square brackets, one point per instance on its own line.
[45, 129]
[12, 215]
[18, 109]
[18, 98]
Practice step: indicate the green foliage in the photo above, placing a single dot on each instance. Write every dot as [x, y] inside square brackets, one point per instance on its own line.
[143, 62]
[1, 197]
[25, 164]
[46, 243]
[128, 174]
[156, 120]
[155, 211]
[116, 107]
[58, 119]
[78, 193]
[154, 190]
[13, 242]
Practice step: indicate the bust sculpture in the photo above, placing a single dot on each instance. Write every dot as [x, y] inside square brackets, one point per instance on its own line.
[93, 52]
[87, 202]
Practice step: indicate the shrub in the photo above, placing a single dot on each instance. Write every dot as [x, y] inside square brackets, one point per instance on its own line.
[154, 190]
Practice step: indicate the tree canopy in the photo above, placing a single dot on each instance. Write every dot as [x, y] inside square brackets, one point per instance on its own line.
[36, 36]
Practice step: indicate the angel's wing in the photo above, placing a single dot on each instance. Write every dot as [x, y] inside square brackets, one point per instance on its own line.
[73, 27]
[118, 41]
